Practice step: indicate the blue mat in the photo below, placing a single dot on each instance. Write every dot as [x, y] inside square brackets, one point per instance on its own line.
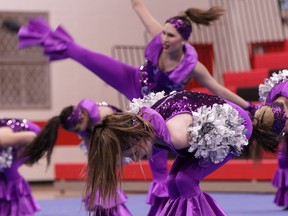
[235, 204]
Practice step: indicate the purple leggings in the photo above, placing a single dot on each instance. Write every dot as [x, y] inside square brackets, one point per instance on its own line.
[124, 78]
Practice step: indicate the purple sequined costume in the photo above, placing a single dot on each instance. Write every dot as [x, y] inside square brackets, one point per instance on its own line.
[280, 179]
[115, 209]
[15, 193]
[135, 81]
[186, 197]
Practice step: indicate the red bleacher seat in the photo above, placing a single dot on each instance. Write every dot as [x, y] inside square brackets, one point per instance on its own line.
[64, 137]
[270, 60]
[247, 78]
[205, 90]
[240, 169]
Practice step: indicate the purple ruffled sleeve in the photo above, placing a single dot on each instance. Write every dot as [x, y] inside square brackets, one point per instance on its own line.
[281, 89]
[34, 33]
[57, 44]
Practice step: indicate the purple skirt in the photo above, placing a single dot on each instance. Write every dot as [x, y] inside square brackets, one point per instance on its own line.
[280, 181]
[199, 205]
[16, 198]
[111, 208]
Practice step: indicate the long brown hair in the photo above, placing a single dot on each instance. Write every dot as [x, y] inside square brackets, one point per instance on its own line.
[204, 17]
[262, 136]
[115, 133]
[44, 143]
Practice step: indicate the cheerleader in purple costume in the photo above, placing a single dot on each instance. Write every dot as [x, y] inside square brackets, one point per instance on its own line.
[275, 89]
[15, 193]
[78, 119]
[204, 132]
[170, 63]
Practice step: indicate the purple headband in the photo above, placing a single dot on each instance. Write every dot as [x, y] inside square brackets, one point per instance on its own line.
[279, 117]
[183, 28]
[74, 118]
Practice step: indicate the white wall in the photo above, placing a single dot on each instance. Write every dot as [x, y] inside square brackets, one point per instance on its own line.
[97, 25]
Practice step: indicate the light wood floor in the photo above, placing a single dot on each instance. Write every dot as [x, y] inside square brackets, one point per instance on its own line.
[75, 188]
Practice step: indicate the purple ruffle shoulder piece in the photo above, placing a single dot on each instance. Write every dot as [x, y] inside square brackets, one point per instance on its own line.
[159, 125]
[200, 205]
[281, 89]
[34, 33]
[187, 65]
[92, 108]
[56, 45]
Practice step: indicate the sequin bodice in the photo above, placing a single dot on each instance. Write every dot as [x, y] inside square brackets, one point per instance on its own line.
[153, 80]
[8, 153]
[184, 101]
[15, 124]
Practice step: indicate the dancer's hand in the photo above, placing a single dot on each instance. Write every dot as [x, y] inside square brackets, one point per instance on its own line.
[11, 25]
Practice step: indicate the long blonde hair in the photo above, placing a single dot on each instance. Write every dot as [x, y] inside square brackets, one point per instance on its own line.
[115, 133]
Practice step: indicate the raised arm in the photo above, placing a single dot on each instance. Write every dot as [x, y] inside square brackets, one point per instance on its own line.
[150, 23]
[9, 137]
[202, 75]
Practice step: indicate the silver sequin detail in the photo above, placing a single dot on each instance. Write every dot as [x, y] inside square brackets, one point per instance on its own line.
[269, 83]
[6, 157]
[215, 132]
[147, 101]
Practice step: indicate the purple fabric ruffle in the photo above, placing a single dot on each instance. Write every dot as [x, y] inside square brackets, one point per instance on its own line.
[157, 191]
[16, 198]
[121, 211]
[278, 90]
[110, 206]
[187, 65]
[38, 32]
[34, 33]
[157, 197]
[57, 44]
[200, 205]
[280, 180]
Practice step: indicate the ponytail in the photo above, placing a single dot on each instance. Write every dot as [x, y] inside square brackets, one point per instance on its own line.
[104, 152]
[116, 133]
[263, 136]
[204, 17]
[43, 143]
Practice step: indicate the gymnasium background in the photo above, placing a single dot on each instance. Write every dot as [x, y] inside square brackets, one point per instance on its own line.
[240, 50]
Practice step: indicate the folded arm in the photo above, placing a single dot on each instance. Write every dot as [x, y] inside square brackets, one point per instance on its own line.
[9, 137]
